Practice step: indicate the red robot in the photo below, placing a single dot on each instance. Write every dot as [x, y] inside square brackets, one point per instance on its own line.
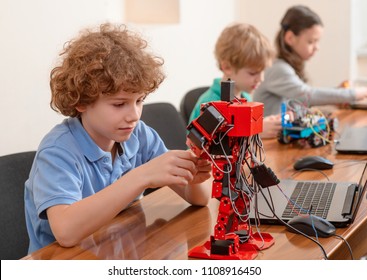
[226, 132]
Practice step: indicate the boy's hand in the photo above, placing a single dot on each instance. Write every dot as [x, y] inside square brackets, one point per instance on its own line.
[176, 167]
[204, 168]
[271, 126]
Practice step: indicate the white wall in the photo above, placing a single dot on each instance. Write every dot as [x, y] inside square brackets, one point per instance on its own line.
[332, 64]
[33, 32]
[188, 47]
[359, 35]
[359, 27]
[32, 35]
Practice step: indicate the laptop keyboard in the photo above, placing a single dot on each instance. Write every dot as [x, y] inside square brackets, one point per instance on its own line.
[305, 194]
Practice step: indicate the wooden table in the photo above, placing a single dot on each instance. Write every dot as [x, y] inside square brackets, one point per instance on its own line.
[164, 226]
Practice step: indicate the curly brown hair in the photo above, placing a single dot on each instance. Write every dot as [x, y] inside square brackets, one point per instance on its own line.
[104, 62]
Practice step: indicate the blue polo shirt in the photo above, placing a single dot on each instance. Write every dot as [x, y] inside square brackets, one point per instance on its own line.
[69, 166]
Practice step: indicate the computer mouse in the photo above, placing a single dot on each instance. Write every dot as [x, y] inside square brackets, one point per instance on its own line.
[313, 162]
[309, 223]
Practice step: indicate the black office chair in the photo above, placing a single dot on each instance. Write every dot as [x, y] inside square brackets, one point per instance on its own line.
[167, 121]
[14, 171]
[189, 100]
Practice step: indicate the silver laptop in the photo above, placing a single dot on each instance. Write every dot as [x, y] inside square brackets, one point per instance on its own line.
[353, 140]
[338, 202]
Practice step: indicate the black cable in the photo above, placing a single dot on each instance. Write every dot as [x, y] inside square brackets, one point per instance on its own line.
[293, 228]
[346, 243]
[310, 169]
[287, 225]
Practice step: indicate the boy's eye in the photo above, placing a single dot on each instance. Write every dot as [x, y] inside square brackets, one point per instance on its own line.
[254, 73]
[118, 104]
[141, 100]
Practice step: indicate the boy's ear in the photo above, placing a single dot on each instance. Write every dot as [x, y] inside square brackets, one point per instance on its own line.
[226, 68]
[81, 108]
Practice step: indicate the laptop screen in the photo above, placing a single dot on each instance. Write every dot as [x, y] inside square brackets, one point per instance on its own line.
[353, 140]
[361, 190]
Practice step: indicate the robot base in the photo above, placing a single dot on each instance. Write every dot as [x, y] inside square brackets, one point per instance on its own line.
[246, 251]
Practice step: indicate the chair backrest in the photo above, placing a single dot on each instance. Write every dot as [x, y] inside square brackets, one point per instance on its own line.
[14, 171]
[189, 100]
[167, 121]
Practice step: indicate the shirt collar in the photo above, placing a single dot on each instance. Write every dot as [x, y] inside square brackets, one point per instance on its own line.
[92, 151]
[88, 147]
